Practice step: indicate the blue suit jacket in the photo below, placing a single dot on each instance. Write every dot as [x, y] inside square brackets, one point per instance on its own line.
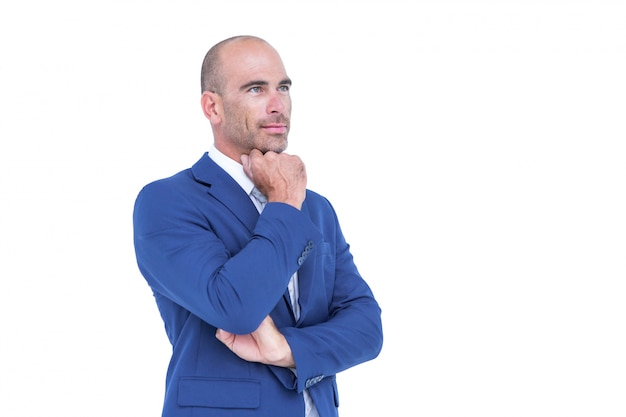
[213, 262]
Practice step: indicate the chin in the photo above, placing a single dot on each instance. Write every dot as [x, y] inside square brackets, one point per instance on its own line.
[276, 147]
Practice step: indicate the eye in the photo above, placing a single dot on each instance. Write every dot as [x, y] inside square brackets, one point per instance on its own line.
[284, 88]
[255, 90]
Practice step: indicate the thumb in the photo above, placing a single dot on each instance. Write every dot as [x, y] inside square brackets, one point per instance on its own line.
[219, 334]
[224, 337]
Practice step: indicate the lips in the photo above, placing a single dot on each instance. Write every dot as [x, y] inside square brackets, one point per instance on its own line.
[275, 128]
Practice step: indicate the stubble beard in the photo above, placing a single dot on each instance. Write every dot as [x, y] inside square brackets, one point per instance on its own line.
[266, 143]
[250, 135]
[278, 147]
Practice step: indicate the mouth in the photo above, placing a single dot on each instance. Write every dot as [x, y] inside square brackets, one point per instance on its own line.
[275, 128]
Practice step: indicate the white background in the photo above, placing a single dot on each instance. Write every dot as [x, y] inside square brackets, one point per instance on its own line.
[487, 135]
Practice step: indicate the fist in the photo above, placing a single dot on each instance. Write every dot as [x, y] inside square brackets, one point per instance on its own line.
[279, 176]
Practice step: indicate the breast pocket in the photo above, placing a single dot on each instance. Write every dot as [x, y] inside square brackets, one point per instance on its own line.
[326, 260]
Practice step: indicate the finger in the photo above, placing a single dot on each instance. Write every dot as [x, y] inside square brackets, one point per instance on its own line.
[245, 162]
[255, 153]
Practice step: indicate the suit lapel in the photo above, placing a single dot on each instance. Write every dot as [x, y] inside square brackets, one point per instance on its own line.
[225, 189]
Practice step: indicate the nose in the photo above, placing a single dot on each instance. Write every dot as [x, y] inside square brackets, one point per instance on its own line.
[276, 103]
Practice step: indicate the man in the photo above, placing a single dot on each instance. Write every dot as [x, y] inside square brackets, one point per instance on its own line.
[259, 294]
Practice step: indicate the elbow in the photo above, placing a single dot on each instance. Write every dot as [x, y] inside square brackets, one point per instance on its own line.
[377, 345]
[243, 323]
[237, 318]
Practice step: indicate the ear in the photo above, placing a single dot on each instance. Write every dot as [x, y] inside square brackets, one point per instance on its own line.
[211, 106]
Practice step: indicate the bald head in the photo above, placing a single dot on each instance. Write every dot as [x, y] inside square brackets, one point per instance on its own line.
[246, 96]
[212, 76]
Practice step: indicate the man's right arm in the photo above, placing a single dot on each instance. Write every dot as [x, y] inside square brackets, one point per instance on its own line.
[183, 258]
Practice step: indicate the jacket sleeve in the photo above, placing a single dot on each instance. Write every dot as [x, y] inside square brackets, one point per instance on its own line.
[184, 260]
[351, 335]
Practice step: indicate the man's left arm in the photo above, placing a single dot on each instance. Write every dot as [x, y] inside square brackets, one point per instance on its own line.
[351, 335]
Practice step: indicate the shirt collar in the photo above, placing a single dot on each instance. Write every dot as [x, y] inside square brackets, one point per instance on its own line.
[233, 168]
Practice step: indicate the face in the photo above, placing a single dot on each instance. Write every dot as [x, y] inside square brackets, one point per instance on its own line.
[255, 101]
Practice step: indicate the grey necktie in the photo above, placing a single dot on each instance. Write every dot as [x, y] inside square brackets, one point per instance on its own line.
[259, 197]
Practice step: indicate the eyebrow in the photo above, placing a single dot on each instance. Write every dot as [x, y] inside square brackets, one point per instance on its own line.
[247, 85]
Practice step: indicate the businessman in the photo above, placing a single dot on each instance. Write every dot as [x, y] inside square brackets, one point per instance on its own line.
[253, 278]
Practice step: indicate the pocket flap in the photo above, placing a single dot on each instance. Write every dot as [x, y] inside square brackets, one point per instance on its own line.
[219, 392]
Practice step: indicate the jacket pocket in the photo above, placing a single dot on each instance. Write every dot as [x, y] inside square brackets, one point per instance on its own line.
[219, 392]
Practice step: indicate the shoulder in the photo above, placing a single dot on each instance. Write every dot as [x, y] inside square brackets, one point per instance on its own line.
[198, 174]
[318, 206]
[168, 185]
[157, 199]
[315, 199]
